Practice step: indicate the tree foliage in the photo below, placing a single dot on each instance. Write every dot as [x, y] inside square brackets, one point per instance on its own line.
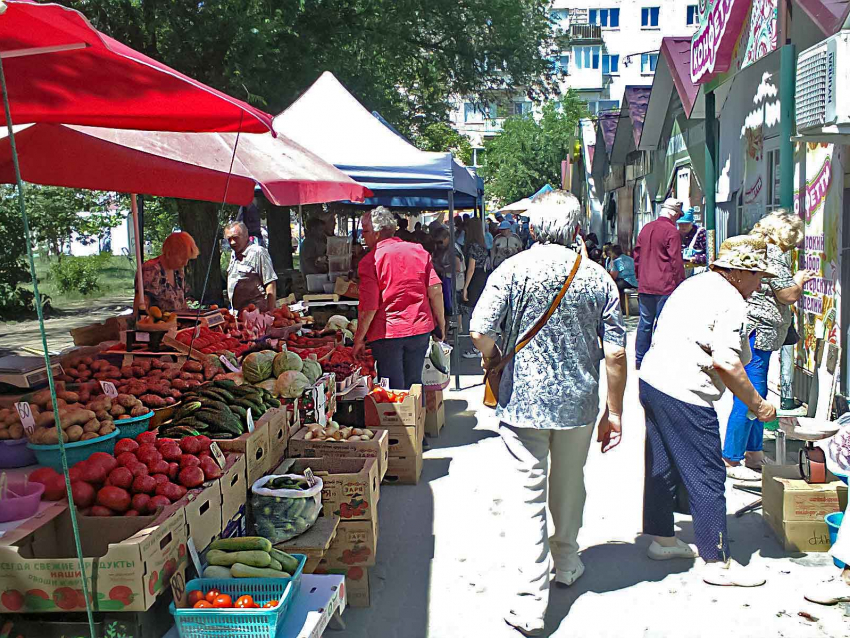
[13, 270]
[528, 153]
[441, 138]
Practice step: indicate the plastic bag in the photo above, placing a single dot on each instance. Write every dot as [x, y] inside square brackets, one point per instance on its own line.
[440, 355]
[281, 513]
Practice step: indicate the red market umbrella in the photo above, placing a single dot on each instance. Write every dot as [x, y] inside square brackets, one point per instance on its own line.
[186, 165]
[61, 69]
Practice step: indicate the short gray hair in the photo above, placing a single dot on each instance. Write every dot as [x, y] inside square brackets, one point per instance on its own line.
[383, 219]
[553, 217]
[238, 225]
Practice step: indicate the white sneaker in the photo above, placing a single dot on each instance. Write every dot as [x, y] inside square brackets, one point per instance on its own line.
[472, 353]
[829, 592]
[574, 571]
[681, 549]
[731, 574]
[742, 473]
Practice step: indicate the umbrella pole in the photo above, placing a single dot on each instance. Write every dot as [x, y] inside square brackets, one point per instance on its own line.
[137, 240]
[454, 295]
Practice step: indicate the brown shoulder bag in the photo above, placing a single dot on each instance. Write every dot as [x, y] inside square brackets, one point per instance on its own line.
[494, 376]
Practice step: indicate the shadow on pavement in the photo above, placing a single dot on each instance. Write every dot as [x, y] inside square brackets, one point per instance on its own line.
[460, 426]
[748, 536]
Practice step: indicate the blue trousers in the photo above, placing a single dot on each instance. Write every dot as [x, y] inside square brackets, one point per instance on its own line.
[401, 360]
[650, 308]
[743, 434]
[683, 446]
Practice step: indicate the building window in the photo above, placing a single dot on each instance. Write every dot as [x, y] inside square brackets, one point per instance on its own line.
[693, 15]
[468, 111]
[587, 57]
[559, 15]
[610, 64]
[649, 17]
[605, 17]
[608, 105]
[521, 108]
[562, 64]
[648, 62]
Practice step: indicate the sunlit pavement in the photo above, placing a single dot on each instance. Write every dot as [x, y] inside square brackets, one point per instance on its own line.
[444, 567]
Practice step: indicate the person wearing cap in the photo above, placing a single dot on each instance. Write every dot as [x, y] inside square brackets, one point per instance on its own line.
[659, 268]
[699, 349]
[769, 318]
[505, 244]
[694, 245]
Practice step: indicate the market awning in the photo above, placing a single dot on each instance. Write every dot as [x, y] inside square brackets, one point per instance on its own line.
[186, 165]
[60, 69]
[829, 15]
[331, 122]
[630, 122]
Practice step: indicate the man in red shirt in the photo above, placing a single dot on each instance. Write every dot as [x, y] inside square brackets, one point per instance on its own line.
[659, 268]
[401, 301]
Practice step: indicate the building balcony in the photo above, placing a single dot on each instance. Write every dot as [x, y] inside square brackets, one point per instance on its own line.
[585, 34]
[494, 125]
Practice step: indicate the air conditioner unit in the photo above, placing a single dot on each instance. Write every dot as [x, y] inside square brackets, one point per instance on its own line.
[823, 73]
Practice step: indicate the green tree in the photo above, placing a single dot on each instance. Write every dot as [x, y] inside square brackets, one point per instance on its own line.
[528, 153]
[441, 137]
[14, 300]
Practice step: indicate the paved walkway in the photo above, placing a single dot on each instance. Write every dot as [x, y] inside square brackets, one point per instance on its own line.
[444, 566]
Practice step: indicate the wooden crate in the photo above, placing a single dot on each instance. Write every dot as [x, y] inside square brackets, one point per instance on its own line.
[314, 542]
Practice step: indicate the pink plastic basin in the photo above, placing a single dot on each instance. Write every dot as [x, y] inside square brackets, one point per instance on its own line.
[24, 505]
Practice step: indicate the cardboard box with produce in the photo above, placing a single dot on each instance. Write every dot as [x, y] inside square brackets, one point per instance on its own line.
[388, 408]
[356, 544]
[351, 486]
[313, 441]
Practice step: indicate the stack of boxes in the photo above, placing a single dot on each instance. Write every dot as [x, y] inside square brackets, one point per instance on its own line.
[435, 412]
[405, 425]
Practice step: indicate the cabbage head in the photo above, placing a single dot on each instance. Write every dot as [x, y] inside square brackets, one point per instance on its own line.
[268, 385]
[311, 369]
[337, 322]
[258, 366]
[285, 361]
[291, 384]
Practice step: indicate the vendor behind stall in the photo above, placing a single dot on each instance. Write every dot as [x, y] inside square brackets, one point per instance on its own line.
[251, 278]
[163, 277]
[314, 248]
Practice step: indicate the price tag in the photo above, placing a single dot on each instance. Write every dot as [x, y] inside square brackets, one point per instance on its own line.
[196, 559]
[227, 364]
[178, 589]
[27, 419]
[143, 337]
[217, 454]
[385, 383]
[250, 420]
[109, 389]
[308, 474]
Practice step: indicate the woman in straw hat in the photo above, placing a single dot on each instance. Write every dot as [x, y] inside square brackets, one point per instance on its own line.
[699, 349]
[164, 278]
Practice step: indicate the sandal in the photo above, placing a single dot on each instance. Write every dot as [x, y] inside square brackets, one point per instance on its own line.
[742, 473]
[681, 549]
[731, 574]
[829, 592]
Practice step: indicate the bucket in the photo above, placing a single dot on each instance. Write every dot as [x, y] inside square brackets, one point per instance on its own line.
[833, 522]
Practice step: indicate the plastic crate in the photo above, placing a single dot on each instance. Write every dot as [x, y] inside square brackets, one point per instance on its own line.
[132, 427]
[227, 623]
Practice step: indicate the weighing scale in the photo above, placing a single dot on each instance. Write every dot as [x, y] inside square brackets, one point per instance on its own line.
[209, 318]
[25, 372]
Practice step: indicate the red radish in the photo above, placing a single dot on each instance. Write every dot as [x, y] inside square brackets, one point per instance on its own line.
[190, 445]
[108, 461]
[169, 490]
[210, 468]
[205, 442]
[125, 445]
[42, 475]
[115, 498]
[138, 469]
[144, 485]
[160, 479]
[93, 473]
[99, 510]
[54, 488]
[191, 477]
[148, 454]
[189, 460]
[121, 477]
[146, 438]
[171, 453]
[173, 471]
[131, 513]
[75, 474]
[127, 459]
[84, 494]
[140, 503]
[158, 467]
[158, 501]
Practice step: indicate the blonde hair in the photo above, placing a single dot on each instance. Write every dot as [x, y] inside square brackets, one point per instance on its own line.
[177, 249]
[781, 227]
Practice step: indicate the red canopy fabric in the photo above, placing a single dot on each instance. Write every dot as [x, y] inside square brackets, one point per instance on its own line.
[186, 165]
[61, 69]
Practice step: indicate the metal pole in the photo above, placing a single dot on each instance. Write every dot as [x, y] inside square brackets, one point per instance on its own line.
[711, 144]
[787, 102]
[134, 209]
[453, 295]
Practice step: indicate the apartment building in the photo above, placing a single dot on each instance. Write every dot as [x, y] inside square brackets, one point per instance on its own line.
[608, 45]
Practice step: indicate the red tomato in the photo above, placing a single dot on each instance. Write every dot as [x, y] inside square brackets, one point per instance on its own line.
[196, 597]
[222, 601]
[202, 604]
[271, 604]
[244, 602]
[211, 594]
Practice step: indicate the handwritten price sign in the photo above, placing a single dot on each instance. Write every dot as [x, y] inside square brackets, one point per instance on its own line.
[27, 419]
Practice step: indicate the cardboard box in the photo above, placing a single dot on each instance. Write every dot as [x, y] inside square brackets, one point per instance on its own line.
[279, 427]
[377, 449]
[234, 496]
[404, 470]
[795, 510]
[405, 441]
[201, 512]
[128, 563]
[356, 584]
[433, 399]
[408, 413]
[356, 544]
[351, 487]
[434, 421]
[256, 448]
[313, 543]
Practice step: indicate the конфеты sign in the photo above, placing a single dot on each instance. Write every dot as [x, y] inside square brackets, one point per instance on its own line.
[713, 45]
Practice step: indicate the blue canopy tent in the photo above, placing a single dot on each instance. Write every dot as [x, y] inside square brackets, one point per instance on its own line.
[330, 122]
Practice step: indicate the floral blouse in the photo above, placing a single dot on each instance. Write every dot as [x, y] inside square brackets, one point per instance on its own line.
[162, 293]
[479, 254]
[768, 316]
[699, 245]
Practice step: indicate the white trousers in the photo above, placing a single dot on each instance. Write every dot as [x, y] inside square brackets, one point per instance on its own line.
[561, 483]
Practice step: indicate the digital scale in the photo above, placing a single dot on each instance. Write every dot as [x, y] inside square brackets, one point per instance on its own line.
[208, 318]
[25, 372]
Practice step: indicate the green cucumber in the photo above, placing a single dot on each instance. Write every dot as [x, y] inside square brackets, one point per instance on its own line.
[217, 571]
[244, 543]
[239, 570]
[254, 558]
[287, 561]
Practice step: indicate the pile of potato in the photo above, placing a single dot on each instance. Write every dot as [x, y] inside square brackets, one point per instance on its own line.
[80, 421]
[10, 425]
[332, 432]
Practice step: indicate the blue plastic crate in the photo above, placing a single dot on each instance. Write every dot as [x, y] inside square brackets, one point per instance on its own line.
[132, 427]
[49, 456]
[253, 623]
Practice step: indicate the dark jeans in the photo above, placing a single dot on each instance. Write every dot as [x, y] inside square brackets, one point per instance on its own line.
[401, 360]
[623, 285]
[683, 446]
[650, 308]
